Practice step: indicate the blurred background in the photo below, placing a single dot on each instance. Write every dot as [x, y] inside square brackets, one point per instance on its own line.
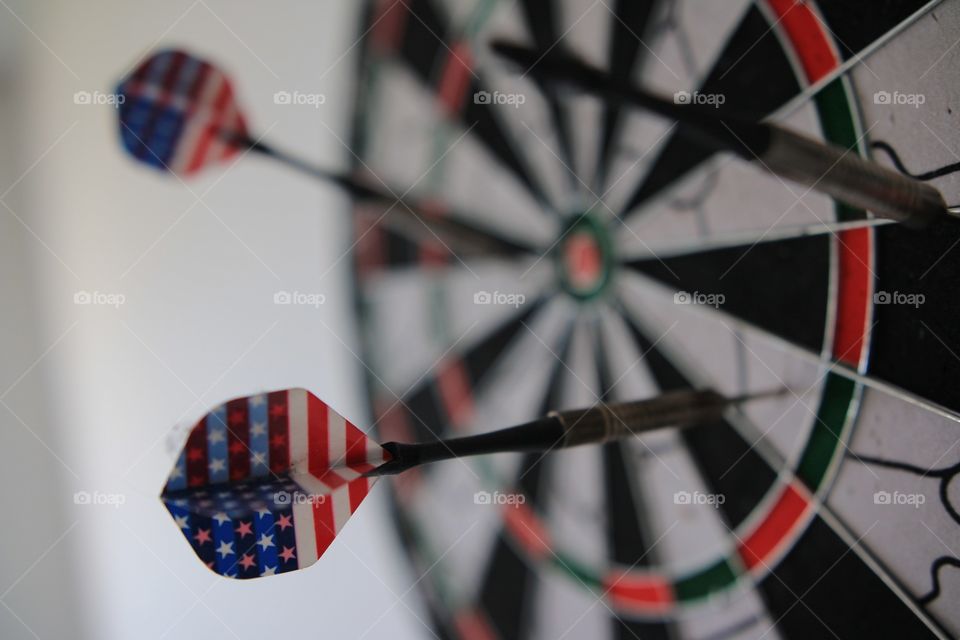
[133, 302]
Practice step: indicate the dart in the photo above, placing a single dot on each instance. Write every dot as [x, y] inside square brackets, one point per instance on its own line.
[178, 114]
[826, 168]
[265, 483]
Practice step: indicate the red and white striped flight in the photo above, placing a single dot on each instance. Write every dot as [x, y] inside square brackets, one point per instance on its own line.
[264, 483]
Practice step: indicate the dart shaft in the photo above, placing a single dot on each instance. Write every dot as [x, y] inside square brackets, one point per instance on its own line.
[410, 219]
[839, 173]
[595, 425]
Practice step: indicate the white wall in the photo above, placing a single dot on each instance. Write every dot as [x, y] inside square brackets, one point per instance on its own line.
[198, 265]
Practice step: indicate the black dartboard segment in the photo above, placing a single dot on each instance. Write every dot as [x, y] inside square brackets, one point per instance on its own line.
[543, 23]
[856, 29]
[916, 335]
[626, 55]
[753, 287]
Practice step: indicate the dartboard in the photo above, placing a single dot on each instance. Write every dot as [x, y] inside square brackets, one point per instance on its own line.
[644, 263]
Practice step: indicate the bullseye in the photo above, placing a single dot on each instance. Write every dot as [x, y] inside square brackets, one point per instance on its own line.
[584, 258]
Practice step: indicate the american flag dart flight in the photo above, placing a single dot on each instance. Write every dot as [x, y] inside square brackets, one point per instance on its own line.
[265, 483]
[179, 113]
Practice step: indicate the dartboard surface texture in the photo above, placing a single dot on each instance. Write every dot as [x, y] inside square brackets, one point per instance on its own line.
[655, 264]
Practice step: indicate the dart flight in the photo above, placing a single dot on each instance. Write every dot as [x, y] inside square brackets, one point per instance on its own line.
[179, 113]
[265, 482]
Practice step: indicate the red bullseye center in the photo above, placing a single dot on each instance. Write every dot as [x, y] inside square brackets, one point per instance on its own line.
[583, 260]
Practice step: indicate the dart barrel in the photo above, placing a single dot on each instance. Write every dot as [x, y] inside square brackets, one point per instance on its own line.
[606, 422]
[844, 175]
